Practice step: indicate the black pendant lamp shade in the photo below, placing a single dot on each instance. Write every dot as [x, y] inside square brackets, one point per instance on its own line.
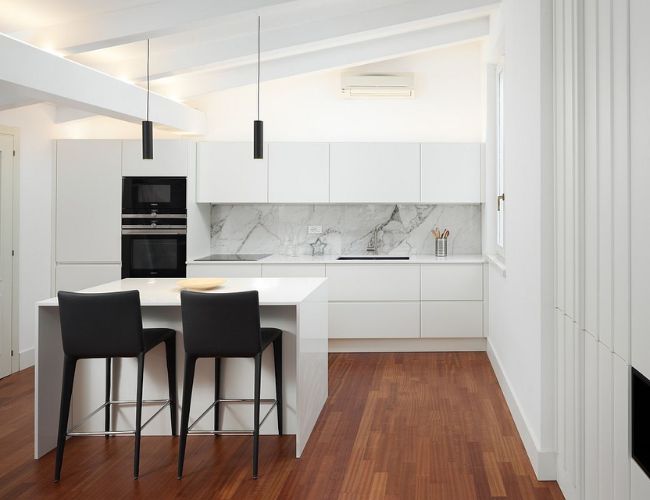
[147, 125]
[258, 125]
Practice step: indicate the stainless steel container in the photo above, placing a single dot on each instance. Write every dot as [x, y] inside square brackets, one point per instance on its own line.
[441, 247]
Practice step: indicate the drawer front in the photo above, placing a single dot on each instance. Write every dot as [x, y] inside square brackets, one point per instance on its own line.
[374, 320]
[224, 271]
[452, 282]
[442, 319]
[293, 270]
[350, 282]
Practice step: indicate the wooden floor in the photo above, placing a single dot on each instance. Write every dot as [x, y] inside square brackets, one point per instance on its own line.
[396, 426]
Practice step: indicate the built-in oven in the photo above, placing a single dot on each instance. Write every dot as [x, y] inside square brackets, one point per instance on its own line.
[154, 194]
[154, 227]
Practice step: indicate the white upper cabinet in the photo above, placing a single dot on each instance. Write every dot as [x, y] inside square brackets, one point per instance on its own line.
[299, 172]
[374, 172]
[451, 173]
[227, 173]
[170, 159]
[88, 201]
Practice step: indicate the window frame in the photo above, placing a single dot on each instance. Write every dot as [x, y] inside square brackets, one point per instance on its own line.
[499, 187]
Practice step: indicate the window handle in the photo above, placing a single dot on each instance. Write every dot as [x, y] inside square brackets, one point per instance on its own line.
[500, 199]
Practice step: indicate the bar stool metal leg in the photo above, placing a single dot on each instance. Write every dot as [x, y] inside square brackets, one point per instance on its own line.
[256, 417]
[217, 391]
[170, 352]
[107, 409]
[138, 417]
[188, 382]
[69, 365]
[277, 358]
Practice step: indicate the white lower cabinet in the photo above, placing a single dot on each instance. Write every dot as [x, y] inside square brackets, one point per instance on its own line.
[224, 271]
[74, 277]
[374, 320]
[452, 282]
[376, 282]
[452, 319]
[293, 270]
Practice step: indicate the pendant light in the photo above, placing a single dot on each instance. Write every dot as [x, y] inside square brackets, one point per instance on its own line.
[258, 125]
[147, 126]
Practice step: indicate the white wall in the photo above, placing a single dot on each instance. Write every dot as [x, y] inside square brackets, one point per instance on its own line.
[520, 339]
[448, 105]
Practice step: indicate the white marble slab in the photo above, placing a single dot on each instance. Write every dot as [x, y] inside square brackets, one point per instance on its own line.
[403, 229]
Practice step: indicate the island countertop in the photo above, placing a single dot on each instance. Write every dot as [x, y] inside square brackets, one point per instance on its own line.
[165, 291]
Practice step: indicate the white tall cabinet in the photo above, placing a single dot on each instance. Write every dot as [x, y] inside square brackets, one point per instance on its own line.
[88, 211]
[171, 158]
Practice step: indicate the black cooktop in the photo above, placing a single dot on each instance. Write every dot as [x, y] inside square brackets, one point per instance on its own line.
[234, 257]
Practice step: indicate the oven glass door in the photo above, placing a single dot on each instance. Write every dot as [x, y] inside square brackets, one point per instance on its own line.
[161, 194]
[152, 255]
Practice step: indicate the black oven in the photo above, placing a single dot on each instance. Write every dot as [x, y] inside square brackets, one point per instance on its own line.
[153, 245]
[154, 194]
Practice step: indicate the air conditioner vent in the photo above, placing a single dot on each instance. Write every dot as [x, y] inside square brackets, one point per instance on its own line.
[378, 86]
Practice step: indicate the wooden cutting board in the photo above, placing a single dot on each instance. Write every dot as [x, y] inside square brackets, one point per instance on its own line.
[200, 283]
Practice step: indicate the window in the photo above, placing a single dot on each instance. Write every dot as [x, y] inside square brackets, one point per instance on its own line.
[500, 165]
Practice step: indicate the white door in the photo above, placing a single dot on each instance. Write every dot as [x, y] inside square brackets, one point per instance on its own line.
[6, 239]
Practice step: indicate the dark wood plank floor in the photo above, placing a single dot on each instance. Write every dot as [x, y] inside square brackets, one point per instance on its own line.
[396, 426]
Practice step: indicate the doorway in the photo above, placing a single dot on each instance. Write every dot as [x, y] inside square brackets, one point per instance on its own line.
[6, 251]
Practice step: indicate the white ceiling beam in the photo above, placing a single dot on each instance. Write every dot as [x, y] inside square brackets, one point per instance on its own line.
[45, 77]
[139, 22]
[197, 84]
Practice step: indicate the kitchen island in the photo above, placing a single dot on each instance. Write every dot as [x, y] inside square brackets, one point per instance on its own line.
[298, 306]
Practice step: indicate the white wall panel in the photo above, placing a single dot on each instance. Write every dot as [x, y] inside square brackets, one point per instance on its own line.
[621, 428]
[605, 422]
[591, 417]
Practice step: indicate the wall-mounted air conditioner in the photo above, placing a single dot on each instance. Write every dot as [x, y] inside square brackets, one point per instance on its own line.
[378, 86]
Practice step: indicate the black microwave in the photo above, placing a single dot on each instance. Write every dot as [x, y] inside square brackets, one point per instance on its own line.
[154, 194]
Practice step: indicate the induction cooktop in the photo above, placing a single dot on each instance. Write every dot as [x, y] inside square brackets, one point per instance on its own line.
[234, 257]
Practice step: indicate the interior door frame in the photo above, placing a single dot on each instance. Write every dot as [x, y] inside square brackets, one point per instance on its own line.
[15, 359]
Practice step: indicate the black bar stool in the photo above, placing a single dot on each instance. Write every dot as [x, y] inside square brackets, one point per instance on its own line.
[109, 325]
[227, 325]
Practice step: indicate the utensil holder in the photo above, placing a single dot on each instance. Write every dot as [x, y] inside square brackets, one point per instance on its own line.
[441, 247]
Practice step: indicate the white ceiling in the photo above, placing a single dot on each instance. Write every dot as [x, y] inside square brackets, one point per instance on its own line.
[199, 46]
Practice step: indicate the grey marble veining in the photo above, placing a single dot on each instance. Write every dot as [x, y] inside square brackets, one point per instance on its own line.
[347, 229]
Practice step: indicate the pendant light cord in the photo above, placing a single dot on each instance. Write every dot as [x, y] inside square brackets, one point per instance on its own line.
[259, 22]
[147, 79]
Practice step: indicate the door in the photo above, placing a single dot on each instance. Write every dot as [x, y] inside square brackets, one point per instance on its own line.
[6, 247]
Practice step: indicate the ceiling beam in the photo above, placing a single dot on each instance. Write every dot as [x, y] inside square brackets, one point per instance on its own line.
[197, 84]
[42, 76]
[283, 41]
[139, 22]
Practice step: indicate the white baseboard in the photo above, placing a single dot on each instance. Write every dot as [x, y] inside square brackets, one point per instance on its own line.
[406, 345]
[543, 462]
[26, 358]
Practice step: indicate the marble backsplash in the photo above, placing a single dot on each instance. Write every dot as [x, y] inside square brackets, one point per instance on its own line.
[403, 229]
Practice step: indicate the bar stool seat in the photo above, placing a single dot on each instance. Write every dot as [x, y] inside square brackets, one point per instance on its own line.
[227, 325]
[109, 325]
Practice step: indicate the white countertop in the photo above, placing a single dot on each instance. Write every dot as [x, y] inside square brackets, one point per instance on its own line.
[164, 291]
[331, 259]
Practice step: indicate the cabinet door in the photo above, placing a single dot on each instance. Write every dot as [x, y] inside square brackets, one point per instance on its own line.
[374, 320]
[88, 201]
[293, 270]
[358, 282]
[451, 173]
[170, 159]
[227, 173]
[224, 270]
[374, 172]
[299, 172]
[452, 319]
[452, 282]
[75, 277]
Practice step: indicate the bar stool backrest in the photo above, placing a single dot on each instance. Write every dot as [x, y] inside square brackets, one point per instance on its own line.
[221, 324]
[100, 325]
